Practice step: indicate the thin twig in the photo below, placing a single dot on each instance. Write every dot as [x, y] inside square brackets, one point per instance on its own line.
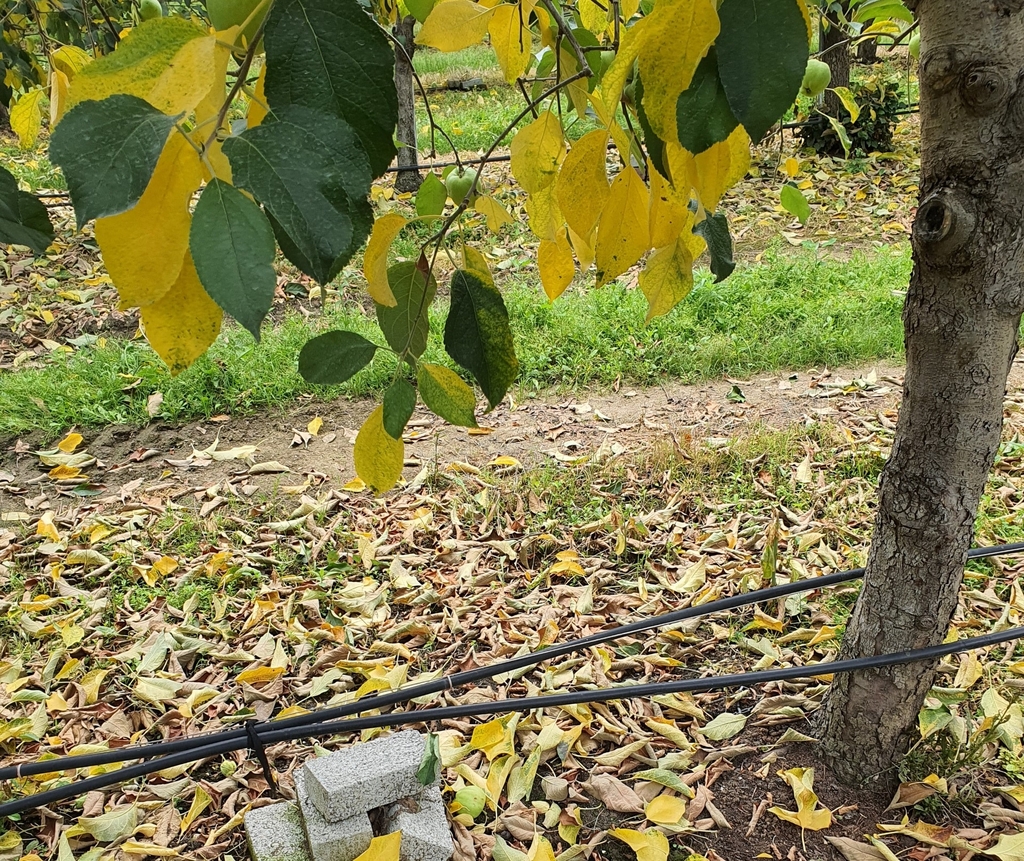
[243, 70]
[110, 24]
[565, 31]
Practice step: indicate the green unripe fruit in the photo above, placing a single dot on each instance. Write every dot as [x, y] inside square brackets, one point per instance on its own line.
[460, 184]
[915, 46]
[149, 9]
[231, 13]
[816, 78]
[471, 799]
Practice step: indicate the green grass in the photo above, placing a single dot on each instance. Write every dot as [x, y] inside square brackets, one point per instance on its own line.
[435, 67]
[786, 312]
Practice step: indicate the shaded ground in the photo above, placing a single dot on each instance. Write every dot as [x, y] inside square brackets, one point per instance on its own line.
[160, 593]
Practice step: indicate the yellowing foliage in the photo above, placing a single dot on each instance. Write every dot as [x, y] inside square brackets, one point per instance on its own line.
[144, 248]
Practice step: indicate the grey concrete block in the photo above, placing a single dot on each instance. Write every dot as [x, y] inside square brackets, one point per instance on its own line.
[365, 776]
[423, 821]
[343, 840]
[275, 833]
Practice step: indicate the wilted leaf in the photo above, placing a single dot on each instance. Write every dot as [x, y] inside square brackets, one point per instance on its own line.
[724, 726]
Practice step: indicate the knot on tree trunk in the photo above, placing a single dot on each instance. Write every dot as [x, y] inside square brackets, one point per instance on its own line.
[944, 222]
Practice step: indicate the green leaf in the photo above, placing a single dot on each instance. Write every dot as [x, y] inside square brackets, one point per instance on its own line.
[478, 337]
[399, 402]
[724, 726]
[23, 218]
[232, 244]
[309, 172]
[329, 55]
[849, 102]
[110, 826]
[334, 357]
[715, 230]
[446, 395]
[882, 9]
[794, 202]
[430, 765]
[420, 8]
[406, 325]
[841, 133]
[432, 196]
[703, 115]
[108, 151]
[762, 56]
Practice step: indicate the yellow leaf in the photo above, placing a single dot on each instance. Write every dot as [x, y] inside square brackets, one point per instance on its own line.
[537, 150]
[649, 845]
[791, 166]
[495, 738]
[59, 473]
[184, 322]
[27, 117]
[69, 60]
[200, 801]
[454, 24]
[667, 278]
[801, 781]
[60, 86]
[545, 217]
[540, 849]
[554, 260]
[170, 62]
[496, 214]
[608, 94]
[314, 426]
[378, 456]
[45, 527]
[721, 166]
[356, 485]
[136, 847]
[582, 184]
[91, 683]
[669, 215]
[511, 38]
[209, 107]
[259, 675]
[666, 809]
[623, 233]
[593, 17]
[384, 848]
[375, 259]
[144, 248]
[70, 443]
[676, 35]
[258, 103]
[584, 248]
[72, 634]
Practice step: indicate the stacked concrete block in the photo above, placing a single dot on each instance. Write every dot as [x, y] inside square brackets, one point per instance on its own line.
[347, 798]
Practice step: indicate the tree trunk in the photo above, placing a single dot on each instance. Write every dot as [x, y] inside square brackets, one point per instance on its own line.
[409, 179]
[961, 319]
[834, 49]
[867, 52]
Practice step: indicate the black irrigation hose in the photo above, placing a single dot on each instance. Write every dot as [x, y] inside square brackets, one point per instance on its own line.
[460, 679]
[522, 704]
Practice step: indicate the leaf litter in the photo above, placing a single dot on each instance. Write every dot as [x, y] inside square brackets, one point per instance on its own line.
[144, 601]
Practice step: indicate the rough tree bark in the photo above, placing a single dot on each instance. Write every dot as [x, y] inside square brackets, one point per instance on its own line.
[834, 49]
[408, 179]
[867, 52]
[961, 320]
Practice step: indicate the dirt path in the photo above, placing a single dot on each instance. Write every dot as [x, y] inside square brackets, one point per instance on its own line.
[534, 432]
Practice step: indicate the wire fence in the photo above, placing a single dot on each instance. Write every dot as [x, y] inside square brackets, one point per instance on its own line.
[255, 736]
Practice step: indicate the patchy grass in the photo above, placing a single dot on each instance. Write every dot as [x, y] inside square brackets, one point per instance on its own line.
[436, 68]
[787, 312]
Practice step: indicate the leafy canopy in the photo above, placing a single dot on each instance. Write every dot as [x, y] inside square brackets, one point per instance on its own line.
[679, 89]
